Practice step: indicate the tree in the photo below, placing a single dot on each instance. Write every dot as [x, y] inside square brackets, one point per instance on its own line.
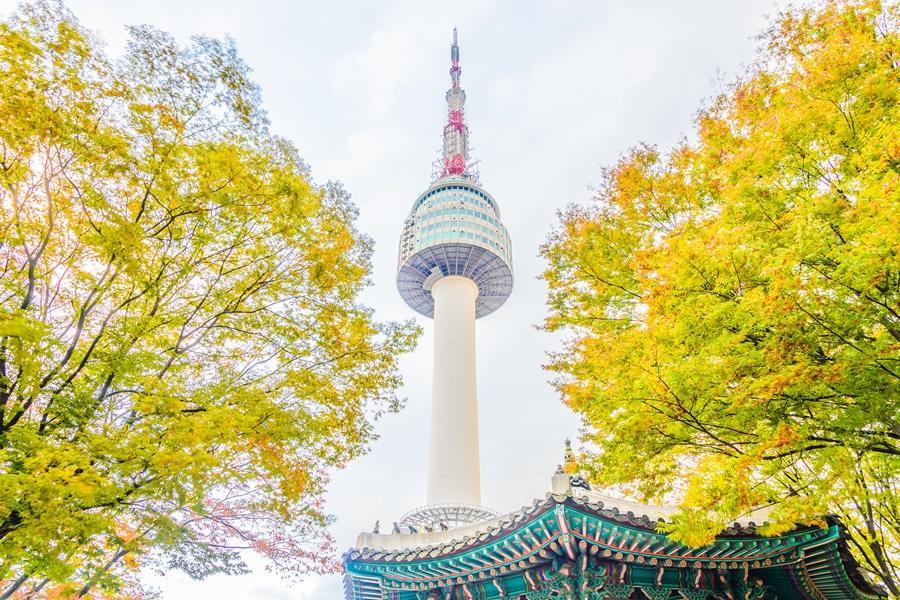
[183, 355]
[733, 303]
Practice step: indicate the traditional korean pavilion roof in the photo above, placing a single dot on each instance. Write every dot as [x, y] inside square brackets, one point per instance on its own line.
[575, 543]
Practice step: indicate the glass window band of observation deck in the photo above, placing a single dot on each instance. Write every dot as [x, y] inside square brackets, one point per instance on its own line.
[425, 229]
[456, 211]
[462, 236]
[416, 237]
[465, 187]
[454, 199]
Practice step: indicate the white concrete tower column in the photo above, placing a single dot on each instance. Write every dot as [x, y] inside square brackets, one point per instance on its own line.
[453, 463]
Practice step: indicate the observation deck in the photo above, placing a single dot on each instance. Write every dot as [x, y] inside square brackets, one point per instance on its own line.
[454, 228]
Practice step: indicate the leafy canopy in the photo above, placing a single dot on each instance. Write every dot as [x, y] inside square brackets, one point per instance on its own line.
[183, 355]
[734, 304]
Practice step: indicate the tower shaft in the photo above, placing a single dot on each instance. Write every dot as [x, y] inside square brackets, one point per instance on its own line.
[455, 265]
[453, 462]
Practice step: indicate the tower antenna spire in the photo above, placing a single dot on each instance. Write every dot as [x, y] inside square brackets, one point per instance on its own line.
[454, 61]
[455, 153]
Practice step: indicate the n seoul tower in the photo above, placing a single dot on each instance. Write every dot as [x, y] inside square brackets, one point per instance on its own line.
[455, 265]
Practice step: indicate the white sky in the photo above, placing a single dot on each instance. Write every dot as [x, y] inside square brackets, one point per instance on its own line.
[555, 90]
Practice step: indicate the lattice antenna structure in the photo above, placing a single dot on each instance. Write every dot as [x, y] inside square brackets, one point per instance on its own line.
[455, 160]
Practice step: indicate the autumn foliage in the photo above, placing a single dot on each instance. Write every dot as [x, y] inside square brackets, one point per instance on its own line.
[183, 356]
[733, 304]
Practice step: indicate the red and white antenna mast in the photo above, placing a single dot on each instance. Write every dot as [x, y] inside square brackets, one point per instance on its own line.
[455, 155]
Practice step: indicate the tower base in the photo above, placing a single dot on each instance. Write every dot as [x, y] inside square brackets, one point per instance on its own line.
[438, 517]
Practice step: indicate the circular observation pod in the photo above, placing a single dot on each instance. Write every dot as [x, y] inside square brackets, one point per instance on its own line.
[454, 228]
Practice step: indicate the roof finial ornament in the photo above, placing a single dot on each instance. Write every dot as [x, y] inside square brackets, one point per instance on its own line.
[571, 469]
